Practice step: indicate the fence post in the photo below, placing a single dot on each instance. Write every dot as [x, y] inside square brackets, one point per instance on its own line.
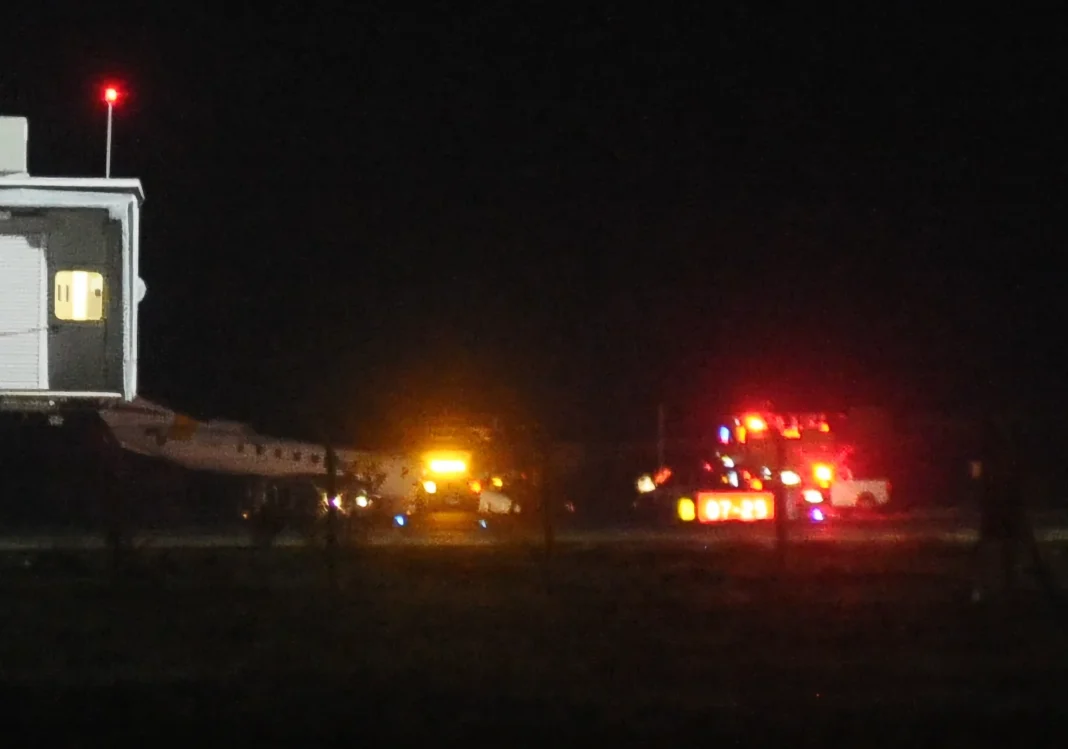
[545, 502]
[782, 538]
[331, 516]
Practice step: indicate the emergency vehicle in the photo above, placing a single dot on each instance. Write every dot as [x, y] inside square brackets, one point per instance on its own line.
[756, 451]
[463, 475]
[811, 459]
[706, 491]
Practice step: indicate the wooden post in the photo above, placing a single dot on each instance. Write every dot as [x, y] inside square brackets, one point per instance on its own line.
[115, 507]
[779, 497]
[541, 486]
[331, 515]
[661, 459]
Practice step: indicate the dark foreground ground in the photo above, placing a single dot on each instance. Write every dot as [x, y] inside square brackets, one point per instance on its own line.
[653, 644]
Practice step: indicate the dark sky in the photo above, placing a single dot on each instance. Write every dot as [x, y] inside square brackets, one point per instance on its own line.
[573, 214]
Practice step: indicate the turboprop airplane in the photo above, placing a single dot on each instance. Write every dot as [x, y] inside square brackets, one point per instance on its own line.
[230, 447]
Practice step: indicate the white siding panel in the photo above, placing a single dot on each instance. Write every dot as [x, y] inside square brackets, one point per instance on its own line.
[23, 314]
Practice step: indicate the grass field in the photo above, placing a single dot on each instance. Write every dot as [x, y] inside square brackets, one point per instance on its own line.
[861, 645]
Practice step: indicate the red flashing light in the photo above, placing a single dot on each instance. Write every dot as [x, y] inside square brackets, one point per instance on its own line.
[112, 94]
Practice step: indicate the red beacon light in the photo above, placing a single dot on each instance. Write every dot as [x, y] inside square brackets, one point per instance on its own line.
[111, 95]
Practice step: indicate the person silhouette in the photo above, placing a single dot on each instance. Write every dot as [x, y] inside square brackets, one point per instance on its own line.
[1001, 509]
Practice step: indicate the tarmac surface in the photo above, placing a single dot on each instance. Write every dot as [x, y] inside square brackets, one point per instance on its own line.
[945, 527]
[633, 636]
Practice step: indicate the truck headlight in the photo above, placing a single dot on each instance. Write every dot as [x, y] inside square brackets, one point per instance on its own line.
[812, 496]
[645, 484]
[790, 478]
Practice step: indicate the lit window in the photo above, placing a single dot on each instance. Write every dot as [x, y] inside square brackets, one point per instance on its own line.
[79, 295]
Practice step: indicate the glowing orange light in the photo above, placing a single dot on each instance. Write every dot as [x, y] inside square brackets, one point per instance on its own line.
[756, 424]
[476, 486]
[756, 485]
[718, 507]
[791, 433]
[823, 473]
[111, 94]
[446, 464]
[661, 476]
[687, 511]
[824, 426]
[739, 433]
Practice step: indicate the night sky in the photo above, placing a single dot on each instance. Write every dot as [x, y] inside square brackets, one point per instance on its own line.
[359, 217]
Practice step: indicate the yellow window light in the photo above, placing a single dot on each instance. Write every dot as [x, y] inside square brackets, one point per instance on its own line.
[79, 296]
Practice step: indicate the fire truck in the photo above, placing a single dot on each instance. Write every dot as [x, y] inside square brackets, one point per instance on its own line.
[816, 456]
[804, 454]
[710, 491]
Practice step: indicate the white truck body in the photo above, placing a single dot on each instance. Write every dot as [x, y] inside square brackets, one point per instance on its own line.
[848, 493]
[400, 476]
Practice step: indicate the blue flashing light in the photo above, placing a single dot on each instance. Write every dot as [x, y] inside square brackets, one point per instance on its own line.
[400, 520]
[483, 523]
[817, 514]
[724, 435]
